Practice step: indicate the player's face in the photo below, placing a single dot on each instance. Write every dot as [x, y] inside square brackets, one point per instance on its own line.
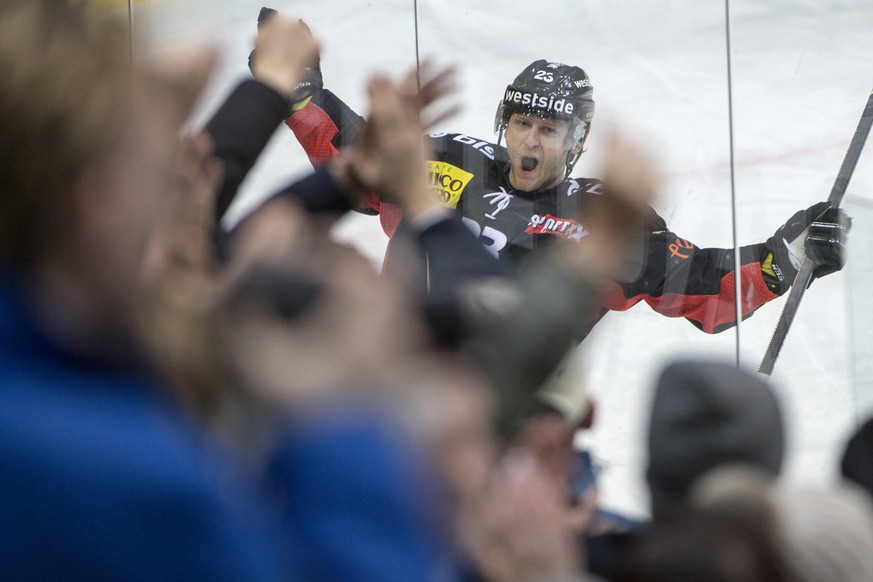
[537, 151]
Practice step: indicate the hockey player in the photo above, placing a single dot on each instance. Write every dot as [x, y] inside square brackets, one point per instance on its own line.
[521, 197]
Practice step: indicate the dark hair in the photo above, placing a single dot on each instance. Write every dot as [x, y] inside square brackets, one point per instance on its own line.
[856, 464]
[713, 544]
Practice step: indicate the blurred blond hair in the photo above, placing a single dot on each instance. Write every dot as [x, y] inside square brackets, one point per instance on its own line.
[66, 89]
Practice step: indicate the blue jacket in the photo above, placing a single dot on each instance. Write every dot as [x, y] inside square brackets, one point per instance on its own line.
[103, 478]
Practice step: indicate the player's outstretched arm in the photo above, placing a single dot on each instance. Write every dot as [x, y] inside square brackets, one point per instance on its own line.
[387, 157]
[699, 284]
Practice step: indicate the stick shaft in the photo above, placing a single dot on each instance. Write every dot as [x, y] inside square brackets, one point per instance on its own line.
[804, 275]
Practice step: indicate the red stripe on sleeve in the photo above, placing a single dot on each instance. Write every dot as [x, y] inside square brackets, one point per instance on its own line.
[712, 312]
[314, 129]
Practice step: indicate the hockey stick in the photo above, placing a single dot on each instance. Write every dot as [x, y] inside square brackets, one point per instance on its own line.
[804, 275]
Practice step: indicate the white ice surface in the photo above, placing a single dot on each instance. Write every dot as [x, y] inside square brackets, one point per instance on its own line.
[801, 71]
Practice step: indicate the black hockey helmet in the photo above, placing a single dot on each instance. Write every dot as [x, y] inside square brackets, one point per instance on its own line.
[552, 91]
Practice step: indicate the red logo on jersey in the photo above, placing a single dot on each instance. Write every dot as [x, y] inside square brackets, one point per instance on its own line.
[562, 227]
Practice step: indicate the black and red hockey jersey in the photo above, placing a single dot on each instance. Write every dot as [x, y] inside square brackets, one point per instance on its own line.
[677, 279]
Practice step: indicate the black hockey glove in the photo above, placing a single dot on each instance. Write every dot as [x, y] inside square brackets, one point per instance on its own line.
[818, 233]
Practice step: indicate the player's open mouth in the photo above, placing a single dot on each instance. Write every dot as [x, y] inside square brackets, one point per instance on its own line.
[528, 163]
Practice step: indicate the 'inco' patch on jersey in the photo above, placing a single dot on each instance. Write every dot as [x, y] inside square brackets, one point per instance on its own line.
[447, 181]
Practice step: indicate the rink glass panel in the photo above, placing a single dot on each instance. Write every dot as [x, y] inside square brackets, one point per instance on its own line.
[860, 279]
[660, 78]
[802, 77]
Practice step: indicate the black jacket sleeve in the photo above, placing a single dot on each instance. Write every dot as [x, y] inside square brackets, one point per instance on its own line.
[240, 130]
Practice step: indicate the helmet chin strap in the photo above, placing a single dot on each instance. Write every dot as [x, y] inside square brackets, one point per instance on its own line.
[571, 162]
[572, 158]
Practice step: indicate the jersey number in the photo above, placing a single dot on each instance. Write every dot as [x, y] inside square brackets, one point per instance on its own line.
[544, 76]
[493, 239]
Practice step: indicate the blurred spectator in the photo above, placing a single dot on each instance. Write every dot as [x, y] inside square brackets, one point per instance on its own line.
[517, 341]
[704, 415]
[827, 534]
[856, 464]
[105, 475]
[471, 301]
[715, 545]
[307, 319]
[824, 534]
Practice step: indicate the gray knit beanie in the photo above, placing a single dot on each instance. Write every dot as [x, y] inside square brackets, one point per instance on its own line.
[704, 415]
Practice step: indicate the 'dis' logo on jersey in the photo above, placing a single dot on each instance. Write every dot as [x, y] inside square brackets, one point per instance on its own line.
[447, 181]
[562, 227]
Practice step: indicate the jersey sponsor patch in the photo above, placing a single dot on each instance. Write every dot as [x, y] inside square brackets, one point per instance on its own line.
[483, 147]
[561, 227]
[447, 181]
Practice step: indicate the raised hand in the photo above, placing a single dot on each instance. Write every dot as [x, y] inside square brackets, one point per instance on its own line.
[388, 157]
[614, 248]
[285, 50]
[425, 87]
